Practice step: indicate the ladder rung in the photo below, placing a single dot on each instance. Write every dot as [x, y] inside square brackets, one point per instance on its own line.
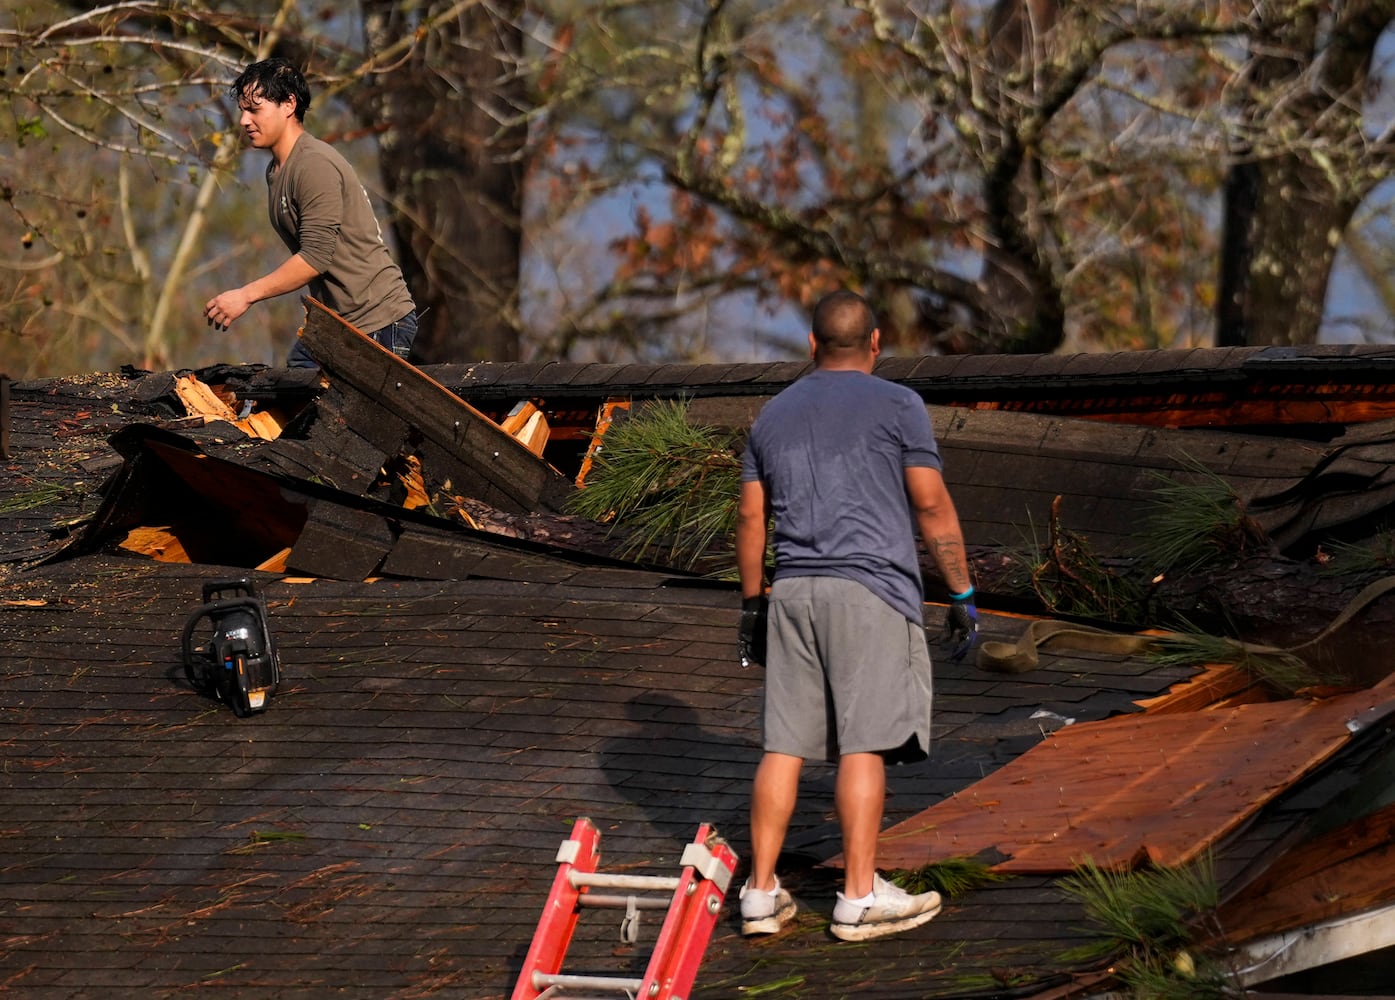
[656, 883]
[639, 902]
[542, 980]
[692, 902]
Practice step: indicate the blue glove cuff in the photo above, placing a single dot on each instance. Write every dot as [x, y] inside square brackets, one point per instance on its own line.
[964, 596]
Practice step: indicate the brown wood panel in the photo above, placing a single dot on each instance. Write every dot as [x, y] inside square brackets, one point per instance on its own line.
[1345, 871]
[1203, 691]
[478, 447]
[1159, 786]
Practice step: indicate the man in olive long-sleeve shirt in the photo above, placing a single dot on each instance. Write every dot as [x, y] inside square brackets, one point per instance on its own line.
[322, 214]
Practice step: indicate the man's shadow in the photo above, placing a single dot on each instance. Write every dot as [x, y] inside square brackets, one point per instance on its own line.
[679, 773]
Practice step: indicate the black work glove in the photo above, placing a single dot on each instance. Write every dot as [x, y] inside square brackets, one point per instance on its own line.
[961, 625]
[750, 635]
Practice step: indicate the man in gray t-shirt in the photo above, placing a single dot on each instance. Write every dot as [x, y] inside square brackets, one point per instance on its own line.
[323, 216]
[847, 466]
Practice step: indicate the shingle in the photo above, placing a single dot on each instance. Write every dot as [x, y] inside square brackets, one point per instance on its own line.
[388, 825]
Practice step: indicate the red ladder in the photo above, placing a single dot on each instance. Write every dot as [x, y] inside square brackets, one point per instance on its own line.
[708, 863]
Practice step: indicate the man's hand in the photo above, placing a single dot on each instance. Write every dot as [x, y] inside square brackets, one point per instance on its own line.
[961, 624]
[750, 635]
[225, 307]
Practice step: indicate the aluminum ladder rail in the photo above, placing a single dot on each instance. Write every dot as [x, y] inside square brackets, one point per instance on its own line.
[693, 907]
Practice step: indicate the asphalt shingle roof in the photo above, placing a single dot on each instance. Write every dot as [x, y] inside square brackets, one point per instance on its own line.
[388, 826]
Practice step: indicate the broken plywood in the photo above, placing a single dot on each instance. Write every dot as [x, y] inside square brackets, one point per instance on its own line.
[460, 448]
[1340, 872]
[1160, 787]
[176, 503]
[200, 400]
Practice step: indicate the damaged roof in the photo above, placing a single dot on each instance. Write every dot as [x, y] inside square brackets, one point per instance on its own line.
[460, 684]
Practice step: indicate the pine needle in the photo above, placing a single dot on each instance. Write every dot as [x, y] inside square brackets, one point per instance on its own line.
[1197, 524]
[1150, 910]
[41, 495]
[1286, 672]
[950, 877]
[1374, 554]
[1179, 976]
[668, 487]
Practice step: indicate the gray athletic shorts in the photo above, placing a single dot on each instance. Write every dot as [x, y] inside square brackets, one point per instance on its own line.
[845, 672]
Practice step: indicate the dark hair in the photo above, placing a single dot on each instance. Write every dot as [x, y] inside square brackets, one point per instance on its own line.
[843, 321]
[274, 80]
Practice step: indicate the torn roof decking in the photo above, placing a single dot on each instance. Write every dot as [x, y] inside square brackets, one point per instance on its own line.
[1164, 788]
[223, 508]
[1006, 469]
[395, 409]
[1345, 869]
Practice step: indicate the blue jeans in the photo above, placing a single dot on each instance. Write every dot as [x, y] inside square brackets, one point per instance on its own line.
[397, 337]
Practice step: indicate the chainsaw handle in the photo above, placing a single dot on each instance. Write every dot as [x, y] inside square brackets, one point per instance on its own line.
[242, 586]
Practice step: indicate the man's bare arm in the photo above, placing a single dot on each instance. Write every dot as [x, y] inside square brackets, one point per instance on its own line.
[752, 515]
[939, 526]
[295, 272]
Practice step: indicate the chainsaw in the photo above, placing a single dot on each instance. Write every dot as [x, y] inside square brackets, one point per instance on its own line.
[236, 663]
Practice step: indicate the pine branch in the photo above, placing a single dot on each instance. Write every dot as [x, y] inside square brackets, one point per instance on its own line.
[669, 487]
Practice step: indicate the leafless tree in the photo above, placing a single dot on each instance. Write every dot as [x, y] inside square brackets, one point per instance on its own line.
[1009, 176]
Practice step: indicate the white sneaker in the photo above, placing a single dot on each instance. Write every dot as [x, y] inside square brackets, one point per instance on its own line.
[765, 912]
[891, 911]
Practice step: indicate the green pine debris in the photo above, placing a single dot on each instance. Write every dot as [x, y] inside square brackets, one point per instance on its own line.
[1153, 915]
[41, 495]
[667, 487]
[1070, 579]
[951, 877]
[1371, 555]
[1285, 672]
[1196, 524]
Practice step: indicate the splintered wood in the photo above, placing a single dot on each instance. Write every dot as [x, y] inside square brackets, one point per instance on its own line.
[528, 426]
[201, 400]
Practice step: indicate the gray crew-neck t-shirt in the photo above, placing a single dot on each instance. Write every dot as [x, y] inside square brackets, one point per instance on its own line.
[831, 450]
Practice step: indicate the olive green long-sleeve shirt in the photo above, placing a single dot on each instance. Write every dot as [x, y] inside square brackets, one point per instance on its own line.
[320, 210]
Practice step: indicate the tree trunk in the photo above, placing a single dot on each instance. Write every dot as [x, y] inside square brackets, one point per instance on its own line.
[1294, 233]
[450, 158]
[1017, 276]
[1288, 199]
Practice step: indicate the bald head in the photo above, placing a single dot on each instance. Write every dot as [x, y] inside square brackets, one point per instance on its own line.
[842, 327]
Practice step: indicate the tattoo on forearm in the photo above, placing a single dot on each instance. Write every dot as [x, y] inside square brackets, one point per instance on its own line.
[949, 556]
